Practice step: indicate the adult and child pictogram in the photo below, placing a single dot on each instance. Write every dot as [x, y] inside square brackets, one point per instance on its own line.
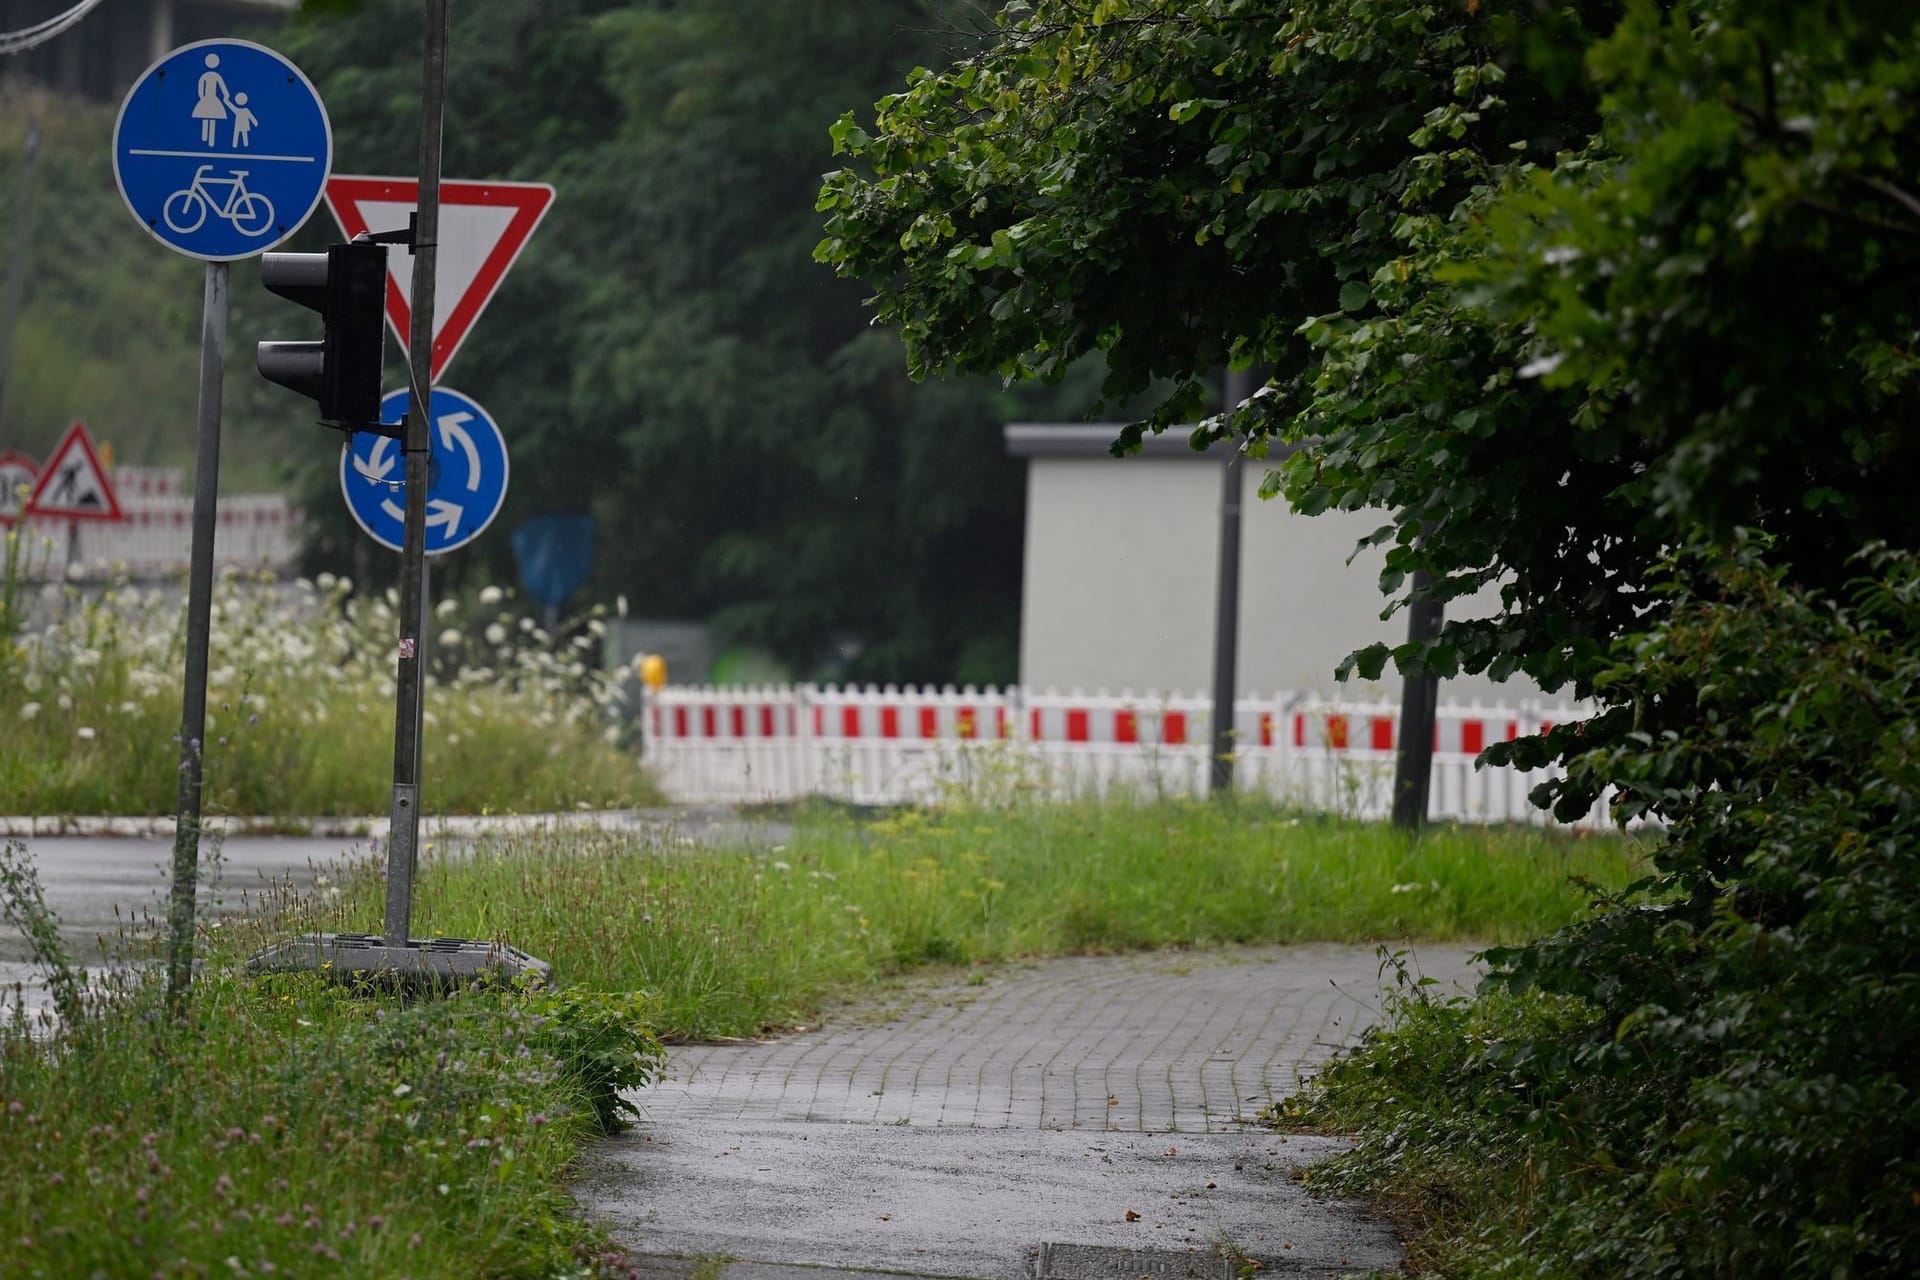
[218, 144]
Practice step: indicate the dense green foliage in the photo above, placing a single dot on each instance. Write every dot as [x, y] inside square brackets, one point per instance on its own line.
[1719, 1073]
[1609, 305]
[667, 357]
[1547, 323]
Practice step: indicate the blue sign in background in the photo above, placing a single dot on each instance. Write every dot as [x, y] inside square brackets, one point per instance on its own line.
[468, 474]
[222, 149]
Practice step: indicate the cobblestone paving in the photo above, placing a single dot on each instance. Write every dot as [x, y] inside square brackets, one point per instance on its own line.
[1098, 1104]
[1168, 1042]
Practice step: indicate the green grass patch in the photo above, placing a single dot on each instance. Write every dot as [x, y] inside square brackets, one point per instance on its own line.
[737, 942]
[287, 1127]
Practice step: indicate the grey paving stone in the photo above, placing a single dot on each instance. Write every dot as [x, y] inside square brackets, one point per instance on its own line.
[1096, 1102]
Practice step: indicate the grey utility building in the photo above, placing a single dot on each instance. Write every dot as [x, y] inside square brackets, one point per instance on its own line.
[1120, 576]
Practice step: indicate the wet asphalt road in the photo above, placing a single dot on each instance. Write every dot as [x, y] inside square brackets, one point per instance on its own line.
[97, 885]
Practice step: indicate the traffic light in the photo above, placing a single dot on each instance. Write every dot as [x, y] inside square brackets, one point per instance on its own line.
[347, 285]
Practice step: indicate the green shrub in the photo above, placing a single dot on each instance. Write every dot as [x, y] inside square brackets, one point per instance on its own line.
[1726, 1077]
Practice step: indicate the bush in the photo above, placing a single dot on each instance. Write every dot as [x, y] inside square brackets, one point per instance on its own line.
[1729, 1079]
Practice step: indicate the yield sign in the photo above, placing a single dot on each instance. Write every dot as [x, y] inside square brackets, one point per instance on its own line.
[17, 474]
[483, 227]
[73, 485]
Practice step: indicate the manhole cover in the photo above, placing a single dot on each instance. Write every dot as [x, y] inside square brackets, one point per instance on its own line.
[1102, 1262]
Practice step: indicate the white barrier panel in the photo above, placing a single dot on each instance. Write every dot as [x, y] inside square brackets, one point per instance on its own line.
[890, 746]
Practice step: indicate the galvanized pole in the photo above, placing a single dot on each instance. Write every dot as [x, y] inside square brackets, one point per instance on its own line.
[1226, 611]
[403, 840]
[193, 710]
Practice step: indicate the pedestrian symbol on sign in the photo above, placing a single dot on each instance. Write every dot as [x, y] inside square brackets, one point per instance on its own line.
[222, 149]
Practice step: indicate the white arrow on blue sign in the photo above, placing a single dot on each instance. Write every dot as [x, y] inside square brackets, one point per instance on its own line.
[468, 474]
[222, 149]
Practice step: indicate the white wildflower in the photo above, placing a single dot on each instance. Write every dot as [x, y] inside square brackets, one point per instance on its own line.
[449, 638]
[84, 731]
[496, 634]
[491, 595]
[29, 711]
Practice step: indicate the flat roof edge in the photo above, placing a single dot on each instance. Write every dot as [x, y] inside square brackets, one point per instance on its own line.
[1092, 440]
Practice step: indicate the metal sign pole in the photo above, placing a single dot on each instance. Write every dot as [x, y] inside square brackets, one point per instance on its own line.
[193, 713]
[1226, 608]
[403, 840]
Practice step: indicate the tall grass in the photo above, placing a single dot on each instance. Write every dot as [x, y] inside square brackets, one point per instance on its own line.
[737, 942]
[299, 704]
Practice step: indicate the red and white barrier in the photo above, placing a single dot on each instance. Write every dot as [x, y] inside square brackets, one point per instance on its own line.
[891, 745]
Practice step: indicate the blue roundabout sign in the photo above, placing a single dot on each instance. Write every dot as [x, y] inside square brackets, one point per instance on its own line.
[468, 474]
[222, 149]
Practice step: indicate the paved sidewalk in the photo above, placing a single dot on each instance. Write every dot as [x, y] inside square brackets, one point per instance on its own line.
[1080, 1119]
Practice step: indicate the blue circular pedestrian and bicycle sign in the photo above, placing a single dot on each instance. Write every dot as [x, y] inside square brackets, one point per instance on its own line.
[468, 474]
[222, 149]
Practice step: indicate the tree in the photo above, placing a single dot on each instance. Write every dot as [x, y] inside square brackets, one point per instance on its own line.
[1519, 305]
[667, 356]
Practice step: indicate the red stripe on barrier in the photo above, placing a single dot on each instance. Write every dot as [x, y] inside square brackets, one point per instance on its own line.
[739, 722]
[1034, 732]
[1472, 737]
[967, 723]
[1126, 727]
[1546, 726]
[1337, 732]
[929, 723]
[1076, 726]
[1266, 728]
[708, 728]
[766, 722]
[849, 722]
[889, 722]
[1299, 730]
[1175, 728]
[1382, 733]
[1000, 722]
[680, 722]
[819, 722]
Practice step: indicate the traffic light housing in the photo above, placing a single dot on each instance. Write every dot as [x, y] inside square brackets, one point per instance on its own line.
[342, 372]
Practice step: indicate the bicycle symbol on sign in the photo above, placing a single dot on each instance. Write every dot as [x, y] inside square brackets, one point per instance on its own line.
[250, 213]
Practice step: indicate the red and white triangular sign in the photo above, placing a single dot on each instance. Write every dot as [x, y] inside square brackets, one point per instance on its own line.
[483, 228]
[17, 474]
[73, 485]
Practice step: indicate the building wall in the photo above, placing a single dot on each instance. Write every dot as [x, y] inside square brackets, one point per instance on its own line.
[1120, 582]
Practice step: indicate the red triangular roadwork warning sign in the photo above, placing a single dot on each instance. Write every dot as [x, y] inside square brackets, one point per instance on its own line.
[483, 228]
[73, 485]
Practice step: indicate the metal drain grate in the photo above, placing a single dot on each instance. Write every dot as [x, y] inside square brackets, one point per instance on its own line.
[1103, 1262]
